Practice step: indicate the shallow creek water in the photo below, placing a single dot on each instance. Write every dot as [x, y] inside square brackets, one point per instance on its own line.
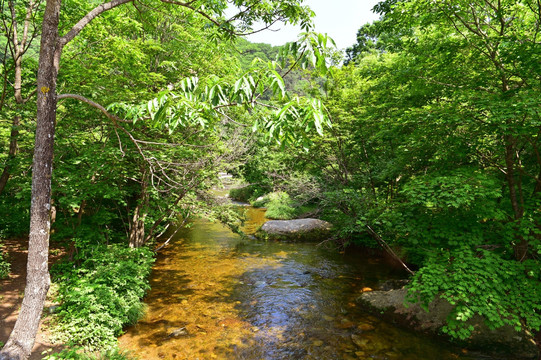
[217, 296]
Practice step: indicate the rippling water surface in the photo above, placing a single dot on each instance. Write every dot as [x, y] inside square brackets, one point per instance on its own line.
[217, 296]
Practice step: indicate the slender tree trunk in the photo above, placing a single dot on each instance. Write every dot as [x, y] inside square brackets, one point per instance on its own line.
[511, 181]
[521, 246]
[18, 51]
[137, 229]
[12, 153]
[21, 340]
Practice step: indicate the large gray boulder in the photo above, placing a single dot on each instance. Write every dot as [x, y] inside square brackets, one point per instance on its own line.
[295, 230]
[503, 341]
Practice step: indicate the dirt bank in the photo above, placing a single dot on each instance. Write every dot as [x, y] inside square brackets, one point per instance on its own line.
[12, 292]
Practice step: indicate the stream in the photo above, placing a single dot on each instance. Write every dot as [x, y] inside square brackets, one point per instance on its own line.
[217, 296]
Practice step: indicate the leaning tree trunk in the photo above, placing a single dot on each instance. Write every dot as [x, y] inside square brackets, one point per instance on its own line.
[21, 340]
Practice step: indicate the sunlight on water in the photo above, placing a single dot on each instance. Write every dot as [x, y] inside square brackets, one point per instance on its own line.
[216, 296]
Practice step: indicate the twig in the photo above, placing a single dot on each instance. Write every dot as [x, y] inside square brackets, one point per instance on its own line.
[174, 233]
[387, 248]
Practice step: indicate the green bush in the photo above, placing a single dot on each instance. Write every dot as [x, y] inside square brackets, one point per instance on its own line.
[102, 295]
[481, 282]
[262, 202]
[348, 209]
[281, 206]
[246, 193]
[15, 201]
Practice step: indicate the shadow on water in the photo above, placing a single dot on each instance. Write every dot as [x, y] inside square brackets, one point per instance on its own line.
[217, 296]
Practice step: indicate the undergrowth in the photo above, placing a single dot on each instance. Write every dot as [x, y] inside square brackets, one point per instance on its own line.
[4, 263]
[100, 293]
[247, 193]
[280, 206]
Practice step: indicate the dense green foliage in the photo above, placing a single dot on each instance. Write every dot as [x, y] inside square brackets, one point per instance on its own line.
[248, 52]
[435, 146]
[246, 193]
[280, 206]
[100, 293]
[154, 100]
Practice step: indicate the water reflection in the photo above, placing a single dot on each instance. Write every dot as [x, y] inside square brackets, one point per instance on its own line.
[217, 296]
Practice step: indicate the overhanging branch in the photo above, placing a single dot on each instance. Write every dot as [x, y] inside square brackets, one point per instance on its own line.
[94, 105]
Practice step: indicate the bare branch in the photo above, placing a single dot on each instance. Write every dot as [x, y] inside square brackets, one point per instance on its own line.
[388, 248]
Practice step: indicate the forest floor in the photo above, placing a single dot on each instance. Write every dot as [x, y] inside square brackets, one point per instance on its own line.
[12, 292]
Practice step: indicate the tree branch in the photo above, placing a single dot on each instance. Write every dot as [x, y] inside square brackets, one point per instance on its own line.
[98, 10]
[388, 248]
[189, 6]
[93, 104]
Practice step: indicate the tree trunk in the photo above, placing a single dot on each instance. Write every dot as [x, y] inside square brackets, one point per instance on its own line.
[21, 340]
[12, 153]
[18, 50]
[137, 229]
[521, 246]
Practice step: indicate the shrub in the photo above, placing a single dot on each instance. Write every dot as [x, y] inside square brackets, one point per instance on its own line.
[261, 202]
[481, 282]
[280, 206]
[246, 193]
[102, 295]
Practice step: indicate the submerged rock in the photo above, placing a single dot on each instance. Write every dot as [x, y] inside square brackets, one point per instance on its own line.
[178, 332]
[359, 341]
[295, 230]
[504, 340]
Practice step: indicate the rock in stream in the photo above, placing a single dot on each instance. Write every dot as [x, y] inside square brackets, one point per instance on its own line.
[298, 230]
[504, 341]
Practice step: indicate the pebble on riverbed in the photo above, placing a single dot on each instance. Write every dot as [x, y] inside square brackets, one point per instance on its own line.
[178, 332]
[359, 341]
[365, 327]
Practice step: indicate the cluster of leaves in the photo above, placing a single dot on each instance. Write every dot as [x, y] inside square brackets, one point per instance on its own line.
[246, 193]
[100, 293]
[484, 283]
[279, 206]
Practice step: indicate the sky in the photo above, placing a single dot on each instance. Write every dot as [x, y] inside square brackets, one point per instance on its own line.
[340, 19]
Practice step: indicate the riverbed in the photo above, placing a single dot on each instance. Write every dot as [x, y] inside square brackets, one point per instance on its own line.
[216, 295]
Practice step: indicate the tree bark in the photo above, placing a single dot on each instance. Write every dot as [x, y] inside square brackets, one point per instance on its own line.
[137, 228]
[21, 340]
[521, 246]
